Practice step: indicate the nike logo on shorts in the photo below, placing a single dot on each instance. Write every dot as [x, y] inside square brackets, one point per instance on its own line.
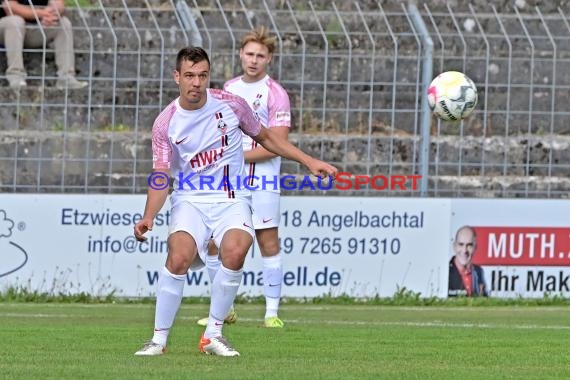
[267, 220]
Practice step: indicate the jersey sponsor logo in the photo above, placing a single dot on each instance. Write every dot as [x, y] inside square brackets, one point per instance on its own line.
[206, 158]
[283, 116]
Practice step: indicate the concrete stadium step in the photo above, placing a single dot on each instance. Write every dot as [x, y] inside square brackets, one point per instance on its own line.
[524, 158]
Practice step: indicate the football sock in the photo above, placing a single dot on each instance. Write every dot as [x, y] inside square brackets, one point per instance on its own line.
[224, 291]
[168, 298]
[212, 264]
[272, 281]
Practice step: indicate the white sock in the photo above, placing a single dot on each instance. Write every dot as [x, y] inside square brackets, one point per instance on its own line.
[224, 291]
[168, 298]
[272, 281]
[212, 264]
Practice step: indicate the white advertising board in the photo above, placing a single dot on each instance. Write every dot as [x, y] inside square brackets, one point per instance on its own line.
[331, 246]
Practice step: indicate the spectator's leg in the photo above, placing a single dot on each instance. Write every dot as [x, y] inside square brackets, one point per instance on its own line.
[12, 34]
[64, 52]
[62, 37]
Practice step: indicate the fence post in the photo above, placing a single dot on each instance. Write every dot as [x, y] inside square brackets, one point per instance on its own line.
[189, 23]
[427, 72]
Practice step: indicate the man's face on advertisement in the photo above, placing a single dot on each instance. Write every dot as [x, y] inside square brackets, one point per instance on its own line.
[464, 246]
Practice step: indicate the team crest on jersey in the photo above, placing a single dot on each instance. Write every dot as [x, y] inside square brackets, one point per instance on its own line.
[222, 126]
[257, 102]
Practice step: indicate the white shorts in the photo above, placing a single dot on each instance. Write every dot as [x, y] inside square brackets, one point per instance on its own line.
[210, 220]
[266, 209]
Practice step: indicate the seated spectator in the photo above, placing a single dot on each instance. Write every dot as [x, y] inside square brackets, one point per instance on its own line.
[19, 29]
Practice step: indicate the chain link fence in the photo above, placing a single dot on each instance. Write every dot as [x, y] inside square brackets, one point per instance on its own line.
[356, 74]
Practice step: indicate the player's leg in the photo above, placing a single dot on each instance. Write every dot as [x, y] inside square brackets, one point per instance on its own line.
[234, 235]
[212, 260]
[213, 265]
[268, 241]
[182, 252]
[234, 247]
[266, 218]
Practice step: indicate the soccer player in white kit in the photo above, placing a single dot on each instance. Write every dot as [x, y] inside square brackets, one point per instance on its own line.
[197, 140]
[270, 103]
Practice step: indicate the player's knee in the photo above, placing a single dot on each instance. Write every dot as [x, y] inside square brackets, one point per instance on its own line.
[182, 251]
[178, 264]
[233, 262]
[269, 248]
[233, 255]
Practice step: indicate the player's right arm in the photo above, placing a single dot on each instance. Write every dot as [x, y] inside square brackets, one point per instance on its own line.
[155, 199]
[161, 158]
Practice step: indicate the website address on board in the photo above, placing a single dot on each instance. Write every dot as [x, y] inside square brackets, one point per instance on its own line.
[299, 276]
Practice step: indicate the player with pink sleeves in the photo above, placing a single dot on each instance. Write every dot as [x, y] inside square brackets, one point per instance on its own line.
[209, 163]
[270, 103]
[197, 140]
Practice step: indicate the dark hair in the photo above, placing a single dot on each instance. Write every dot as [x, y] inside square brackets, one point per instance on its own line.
[192, 54]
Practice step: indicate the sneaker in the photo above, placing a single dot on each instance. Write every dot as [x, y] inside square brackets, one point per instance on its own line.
[70, 83]
[230, 318]
[16, 83]
[151, 349]
[273, 322]
[216, 346]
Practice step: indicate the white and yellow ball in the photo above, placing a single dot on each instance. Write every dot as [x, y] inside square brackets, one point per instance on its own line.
[452, 96]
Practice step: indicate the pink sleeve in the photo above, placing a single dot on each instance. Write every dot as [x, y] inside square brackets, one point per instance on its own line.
[161, 147]
[278, 106]
[247, 120]
[229, 82]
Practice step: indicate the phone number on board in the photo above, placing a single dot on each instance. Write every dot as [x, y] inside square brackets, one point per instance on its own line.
[339, 245]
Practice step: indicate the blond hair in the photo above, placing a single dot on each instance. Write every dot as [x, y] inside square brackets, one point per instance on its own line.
[261, 36]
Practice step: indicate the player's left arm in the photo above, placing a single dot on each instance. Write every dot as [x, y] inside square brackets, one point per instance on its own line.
[259, 153]
[278, 118]
[275, 143]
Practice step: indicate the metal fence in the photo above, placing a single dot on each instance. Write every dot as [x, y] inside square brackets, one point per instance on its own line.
[356, 73]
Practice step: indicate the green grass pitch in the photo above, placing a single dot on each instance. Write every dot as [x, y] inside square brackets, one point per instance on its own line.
[319, 341]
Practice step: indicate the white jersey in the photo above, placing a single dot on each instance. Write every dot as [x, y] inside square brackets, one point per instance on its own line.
[203, 148]
[270, 103]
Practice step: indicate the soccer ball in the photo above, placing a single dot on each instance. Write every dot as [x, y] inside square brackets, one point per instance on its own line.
[452, 96]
